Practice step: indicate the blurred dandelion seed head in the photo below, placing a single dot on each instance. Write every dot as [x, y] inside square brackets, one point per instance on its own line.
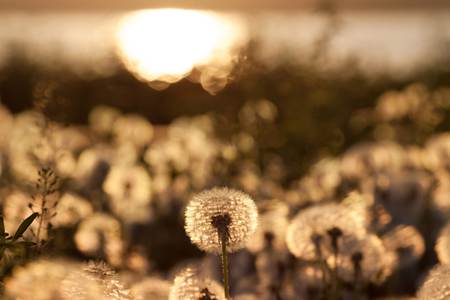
[238, 209]
[40, 280]
[129, 189]
[100, 234]
[132, 182]
[72, 209]
[443, 245]
[316, 221]
[436, 285]
[189, 285]
[151, 288]
[376, 263]
[109, 281]
[406, 244]
[102, 118]
[273, 220]
[134, 129]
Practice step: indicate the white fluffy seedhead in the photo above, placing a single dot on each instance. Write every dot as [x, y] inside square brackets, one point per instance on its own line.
[189, 285]
[436, 285]
[316, 221]
[236, 208]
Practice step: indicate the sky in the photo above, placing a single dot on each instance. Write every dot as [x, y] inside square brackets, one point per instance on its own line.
[216, 4]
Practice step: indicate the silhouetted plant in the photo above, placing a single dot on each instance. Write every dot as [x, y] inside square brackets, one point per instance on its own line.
[15, 246]
[45, 209]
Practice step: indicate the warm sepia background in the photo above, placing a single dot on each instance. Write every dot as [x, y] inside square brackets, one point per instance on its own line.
[136, 105]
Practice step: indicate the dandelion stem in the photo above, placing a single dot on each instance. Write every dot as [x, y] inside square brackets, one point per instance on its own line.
[226, 285]
[335, 281]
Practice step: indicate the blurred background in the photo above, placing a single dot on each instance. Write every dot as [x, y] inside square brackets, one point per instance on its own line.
[299, 101]
[318, 61]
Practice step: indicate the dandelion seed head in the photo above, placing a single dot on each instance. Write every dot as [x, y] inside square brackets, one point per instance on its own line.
[106, 278]
[93, 164]
[129, 191]
[436, 285]
[133, 128]
[315, 222]
[100, 234]
[151, 288]
[188, 285]
[272, 220]
[93, 280]
[438, 152]
[364, 159]
[71, 209]
[102, 118]
[217, 209]
[406, 243]
[6, 125]
[39, 280]
[77, 286]
[375, 261]
[443, 245]
[404, 195]
[440, 194]
[128, 182]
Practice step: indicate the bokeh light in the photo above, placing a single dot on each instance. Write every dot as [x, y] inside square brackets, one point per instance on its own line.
[166, 44]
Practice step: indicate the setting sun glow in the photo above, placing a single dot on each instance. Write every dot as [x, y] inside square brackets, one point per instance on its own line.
[166, 44]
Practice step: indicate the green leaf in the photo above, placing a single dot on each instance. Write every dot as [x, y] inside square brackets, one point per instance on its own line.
[24, 226]
[2, 230]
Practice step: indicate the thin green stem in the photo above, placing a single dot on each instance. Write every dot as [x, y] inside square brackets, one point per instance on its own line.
[226, 285]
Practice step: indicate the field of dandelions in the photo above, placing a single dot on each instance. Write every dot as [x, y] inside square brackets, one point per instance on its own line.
[120, 208]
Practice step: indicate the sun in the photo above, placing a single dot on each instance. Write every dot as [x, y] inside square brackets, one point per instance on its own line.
[166, 44]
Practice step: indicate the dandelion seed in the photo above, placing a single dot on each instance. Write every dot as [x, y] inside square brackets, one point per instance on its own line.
[224, 209]
[188, 285]
[436, 285]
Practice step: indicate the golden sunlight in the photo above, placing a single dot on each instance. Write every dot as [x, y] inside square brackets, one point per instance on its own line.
[166, 44]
